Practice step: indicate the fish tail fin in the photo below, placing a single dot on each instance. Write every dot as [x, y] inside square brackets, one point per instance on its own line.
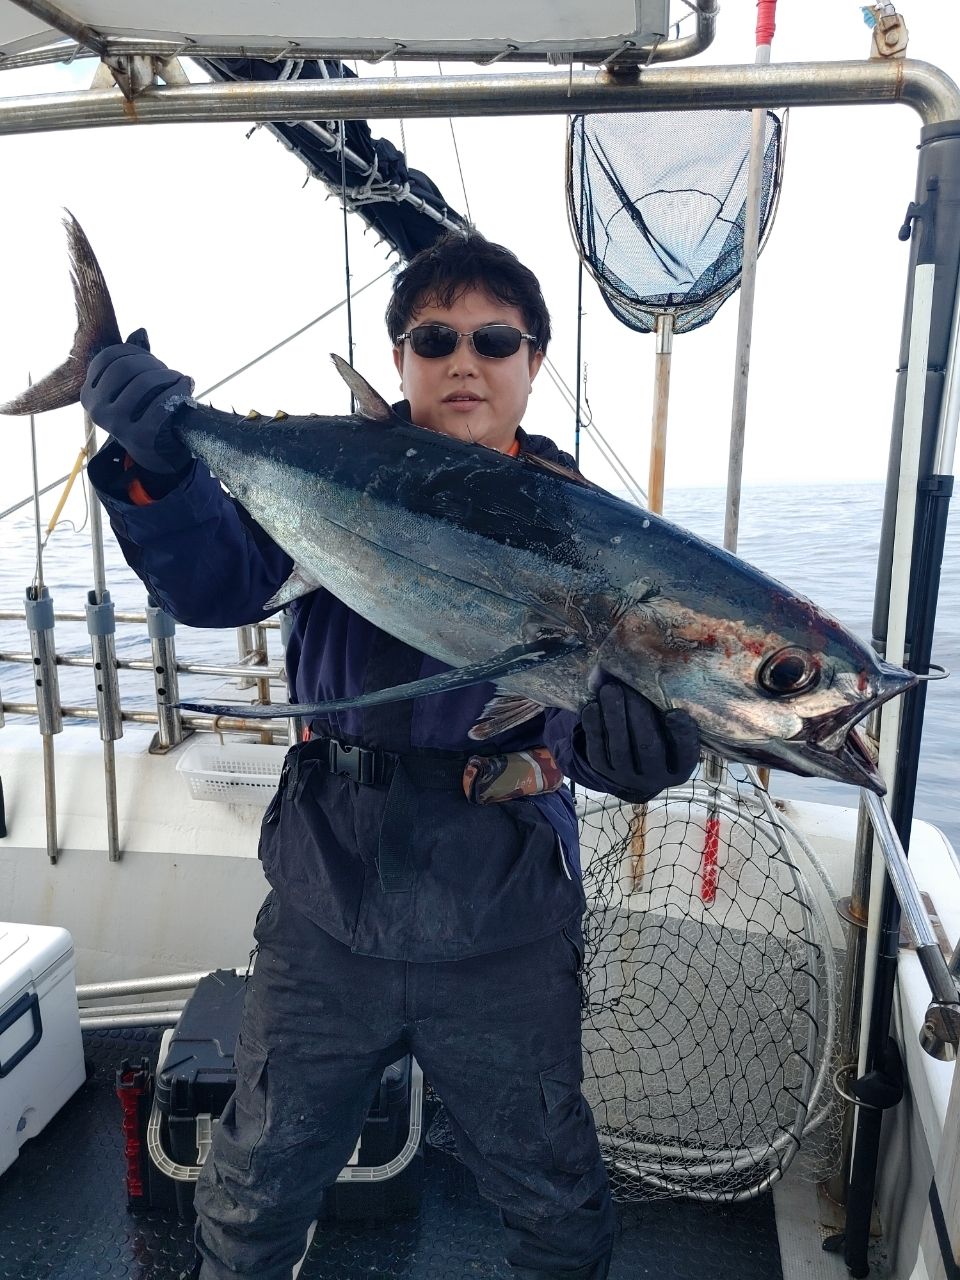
[96, 328]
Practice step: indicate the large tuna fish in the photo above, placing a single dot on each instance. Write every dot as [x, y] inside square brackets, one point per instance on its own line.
[522, 574]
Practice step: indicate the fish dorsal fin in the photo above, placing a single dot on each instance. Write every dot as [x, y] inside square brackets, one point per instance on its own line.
[370, 403]
[300, 583]
[504, 712]
[558, 469]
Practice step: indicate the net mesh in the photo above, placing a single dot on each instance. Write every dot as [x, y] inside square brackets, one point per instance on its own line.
[709, 994]
[657, 207]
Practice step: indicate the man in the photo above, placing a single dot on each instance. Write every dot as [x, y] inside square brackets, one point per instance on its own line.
[432, 907]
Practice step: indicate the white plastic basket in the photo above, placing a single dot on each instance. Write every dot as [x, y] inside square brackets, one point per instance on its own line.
[235, 773]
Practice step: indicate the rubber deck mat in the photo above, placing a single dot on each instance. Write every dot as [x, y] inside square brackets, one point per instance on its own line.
[63, 1214]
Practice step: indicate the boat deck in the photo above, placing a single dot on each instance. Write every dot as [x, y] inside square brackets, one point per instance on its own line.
[64, 1216]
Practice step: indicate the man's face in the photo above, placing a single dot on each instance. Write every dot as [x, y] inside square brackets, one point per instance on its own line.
[474, 398]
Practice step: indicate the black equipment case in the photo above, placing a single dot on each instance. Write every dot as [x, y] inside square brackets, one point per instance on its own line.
[168, 1119]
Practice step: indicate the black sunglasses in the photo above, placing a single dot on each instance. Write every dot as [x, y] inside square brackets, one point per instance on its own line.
[497, 341]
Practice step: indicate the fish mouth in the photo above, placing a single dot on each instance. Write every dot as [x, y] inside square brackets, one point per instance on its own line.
[851, 762]
[831, 743]
[830, 746]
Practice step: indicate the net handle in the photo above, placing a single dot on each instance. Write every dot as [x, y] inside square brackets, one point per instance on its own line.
[766, 21]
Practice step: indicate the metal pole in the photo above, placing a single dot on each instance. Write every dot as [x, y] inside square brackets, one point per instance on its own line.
[51, 15]
[903, 619]
[904, 884]
[748, 281]
[848, 1024]
[900, 573]
[296, 727]
[139, 986]
[41, 622]
[161, 629]
[927, 89]
[741, 374]
[101, 625]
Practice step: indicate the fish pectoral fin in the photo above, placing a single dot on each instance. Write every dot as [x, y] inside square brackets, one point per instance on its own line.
[511, 662]
[504, 712]
[370, 403]
[300, 583]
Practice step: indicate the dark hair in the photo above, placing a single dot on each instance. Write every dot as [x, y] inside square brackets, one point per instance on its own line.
[467, 260]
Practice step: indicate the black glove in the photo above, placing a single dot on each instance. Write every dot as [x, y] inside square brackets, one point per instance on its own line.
[637, 749]
[133, 395]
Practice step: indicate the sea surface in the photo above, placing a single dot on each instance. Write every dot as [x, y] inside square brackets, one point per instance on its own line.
[821, 541]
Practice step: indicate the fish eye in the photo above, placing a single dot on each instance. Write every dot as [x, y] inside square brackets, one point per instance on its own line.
[788, 671]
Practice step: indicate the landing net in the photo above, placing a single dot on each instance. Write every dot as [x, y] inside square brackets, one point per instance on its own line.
[708, 992]
[657, 207]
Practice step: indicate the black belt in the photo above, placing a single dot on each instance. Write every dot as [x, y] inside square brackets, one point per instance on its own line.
[374, 767]
[402, 774]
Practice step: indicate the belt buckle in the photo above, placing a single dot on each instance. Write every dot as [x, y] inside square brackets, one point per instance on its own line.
[345, 760]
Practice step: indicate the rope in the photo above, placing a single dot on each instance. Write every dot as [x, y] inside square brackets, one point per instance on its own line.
[346, 247]
[605, 449]
[456, 152]
[403, 136]
[24, 502]
[283, 342]
[576, 424]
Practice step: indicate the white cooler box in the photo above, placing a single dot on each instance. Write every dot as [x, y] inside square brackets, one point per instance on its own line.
[41, 1050]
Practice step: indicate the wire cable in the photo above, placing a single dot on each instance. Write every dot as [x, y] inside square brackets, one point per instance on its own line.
[283, 342]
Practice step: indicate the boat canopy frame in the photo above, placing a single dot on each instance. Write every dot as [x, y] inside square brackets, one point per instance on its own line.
[913, 83]
[33, 32]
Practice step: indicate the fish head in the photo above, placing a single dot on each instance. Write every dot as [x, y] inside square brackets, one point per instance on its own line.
[785, 690]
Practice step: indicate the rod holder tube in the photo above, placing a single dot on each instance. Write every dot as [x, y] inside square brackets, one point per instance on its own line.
[161, 629]
[38, 604]
[102, 626]
[50, 799]
[248, 650]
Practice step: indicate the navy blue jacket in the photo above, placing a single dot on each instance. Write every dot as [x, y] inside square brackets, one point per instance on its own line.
[485, 877]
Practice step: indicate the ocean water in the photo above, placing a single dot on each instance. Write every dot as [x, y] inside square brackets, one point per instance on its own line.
[821, 541]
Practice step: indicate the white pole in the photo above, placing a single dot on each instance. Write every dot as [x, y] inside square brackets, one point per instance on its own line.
[899, 593]
[748, 281]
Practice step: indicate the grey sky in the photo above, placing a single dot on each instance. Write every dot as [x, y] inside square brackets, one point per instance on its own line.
[213, 242]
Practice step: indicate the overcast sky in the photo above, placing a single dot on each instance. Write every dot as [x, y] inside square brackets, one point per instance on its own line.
[212, 240]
